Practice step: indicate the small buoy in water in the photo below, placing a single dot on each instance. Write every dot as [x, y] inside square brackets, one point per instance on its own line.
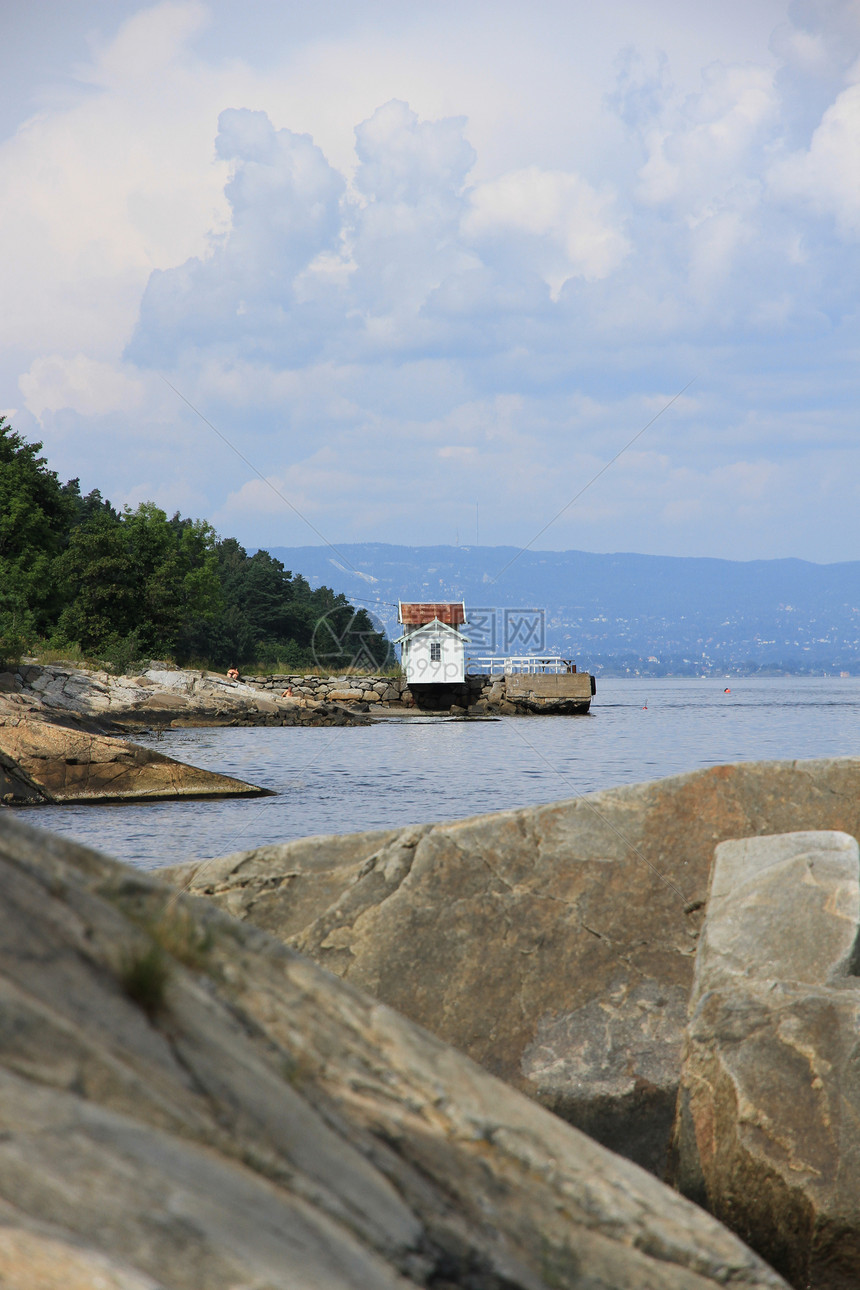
[644, 707]
[727, 690]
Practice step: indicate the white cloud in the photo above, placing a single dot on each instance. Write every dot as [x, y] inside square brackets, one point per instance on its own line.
[285, 211]
[106, 188]
[402, 160]
[569, 228]
[82, 384]
[146, 42]
[266, 497]
[305, 271]
[463, 248]
[698, 147]
[825, 176]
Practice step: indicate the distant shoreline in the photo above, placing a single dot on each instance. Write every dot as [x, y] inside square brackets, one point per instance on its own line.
[660, 615]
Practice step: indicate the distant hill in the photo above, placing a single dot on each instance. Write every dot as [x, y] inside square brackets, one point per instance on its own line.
[614, 613]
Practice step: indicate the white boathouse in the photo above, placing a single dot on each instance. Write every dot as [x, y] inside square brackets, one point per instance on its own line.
[432, 649]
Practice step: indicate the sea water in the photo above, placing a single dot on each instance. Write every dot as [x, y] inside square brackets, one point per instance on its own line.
[407, 770]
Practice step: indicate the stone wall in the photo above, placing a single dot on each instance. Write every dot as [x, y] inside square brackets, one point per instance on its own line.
[387, 691]
[479, 695]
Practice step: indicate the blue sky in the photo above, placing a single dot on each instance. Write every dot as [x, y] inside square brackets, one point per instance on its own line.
[413, 258]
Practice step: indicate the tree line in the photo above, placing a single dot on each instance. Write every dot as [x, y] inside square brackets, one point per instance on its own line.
[123, 586]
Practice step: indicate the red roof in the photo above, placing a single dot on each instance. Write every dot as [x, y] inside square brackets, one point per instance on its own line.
[413, 614]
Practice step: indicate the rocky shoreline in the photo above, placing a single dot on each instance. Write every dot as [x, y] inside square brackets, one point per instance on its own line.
[161, 697]
[59, 728]
[42, 762]
[58, 723]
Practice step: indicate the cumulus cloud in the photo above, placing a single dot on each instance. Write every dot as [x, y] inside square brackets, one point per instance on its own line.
[824, 176]
[490, 281]
[317, 267]
[106, 186]
[83, 385]
[404, 161]
[404, 231]
[554, 219]
[696, 148]
[284, 200]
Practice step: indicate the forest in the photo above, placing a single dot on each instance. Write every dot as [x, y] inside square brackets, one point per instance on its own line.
[123, 586]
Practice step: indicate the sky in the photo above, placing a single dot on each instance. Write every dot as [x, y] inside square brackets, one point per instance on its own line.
[425, 273]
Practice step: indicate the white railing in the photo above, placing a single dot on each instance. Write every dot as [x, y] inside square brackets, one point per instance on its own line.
[528, 663]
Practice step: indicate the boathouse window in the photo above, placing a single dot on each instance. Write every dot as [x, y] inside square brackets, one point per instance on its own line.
[435, 652]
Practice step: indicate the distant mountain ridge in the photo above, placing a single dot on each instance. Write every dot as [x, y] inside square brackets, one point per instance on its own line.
[614, 613]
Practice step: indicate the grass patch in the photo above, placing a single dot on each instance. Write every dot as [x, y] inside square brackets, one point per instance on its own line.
[72, 655]
[144, 975]
[174, 937]
[122, 659]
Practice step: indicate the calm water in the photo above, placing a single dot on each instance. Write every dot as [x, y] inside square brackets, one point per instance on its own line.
[408, 770]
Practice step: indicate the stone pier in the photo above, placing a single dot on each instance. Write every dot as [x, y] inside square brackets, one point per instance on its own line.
[520, 693]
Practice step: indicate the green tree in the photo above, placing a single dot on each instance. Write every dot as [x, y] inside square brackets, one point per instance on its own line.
[125, 585]
[344, 636]
[137, 578]
[254, 621]
[177, 573]
[35, 514]
[269, 615]
[100, 581]
[226, 636]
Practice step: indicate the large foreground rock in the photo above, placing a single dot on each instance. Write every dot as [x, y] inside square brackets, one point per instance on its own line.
[768, 1127]
[186, 1103]
[555, 944]
[41, 761]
